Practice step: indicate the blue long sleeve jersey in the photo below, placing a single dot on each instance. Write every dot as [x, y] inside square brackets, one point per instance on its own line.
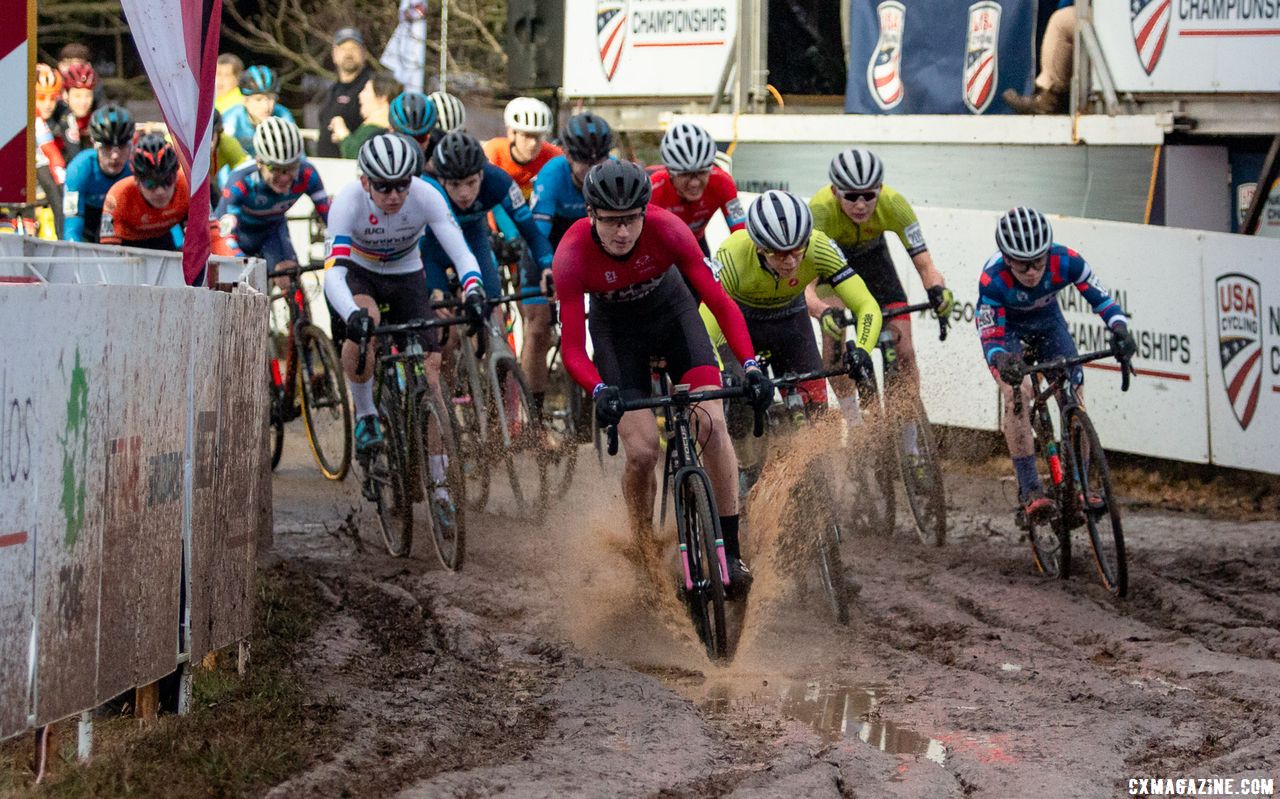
[251, 206]
[1006, 306]
[497, 190]
[236, 122]
[557, 202]
[83, 195]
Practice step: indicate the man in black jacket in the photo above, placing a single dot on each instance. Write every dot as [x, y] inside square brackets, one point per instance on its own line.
[339, 106]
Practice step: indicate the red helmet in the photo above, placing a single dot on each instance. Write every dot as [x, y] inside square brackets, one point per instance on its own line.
[80, 76]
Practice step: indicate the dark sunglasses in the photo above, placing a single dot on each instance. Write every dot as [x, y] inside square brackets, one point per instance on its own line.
[387, 188]
[854, 196]
[156, 183]
[798, 251]
[618, 221]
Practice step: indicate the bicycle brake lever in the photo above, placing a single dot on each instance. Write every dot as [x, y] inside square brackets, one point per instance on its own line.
[1125, 371]
[943, 324]
[758, 429]
[613, 439]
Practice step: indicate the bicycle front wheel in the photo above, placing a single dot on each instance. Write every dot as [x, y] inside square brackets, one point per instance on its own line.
[871, 478]
[698, 531]
[386, 480]
[514, 431]
[469, 423]
[1050, 537]
[922, 475]
[325, 409]
[443, 482]
[1098, 504]
[562, 416]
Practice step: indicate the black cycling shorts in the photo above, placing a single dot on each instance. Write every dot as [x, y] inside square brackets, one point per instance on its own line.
[402, 298]
[875, 265]
[662, 324]
[787, 340]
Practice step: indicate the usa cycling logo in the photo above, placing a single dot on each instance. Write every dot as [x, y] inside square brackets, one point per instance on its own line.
[611, 34]
[1239, 301]
[1149, 20]
[884, 72]
[980, 48]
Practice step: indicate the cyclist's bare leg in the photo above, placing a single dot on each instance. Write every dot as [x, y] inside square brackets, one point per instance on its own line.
[282, 283]
[537, 342]
[718, 457]
[1017, 427]
[639, 438]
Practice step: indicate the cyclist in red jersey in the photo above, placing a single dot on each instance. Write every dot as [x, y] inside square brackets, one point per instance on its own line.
[691, 186]
[630, 257]
[142, 209]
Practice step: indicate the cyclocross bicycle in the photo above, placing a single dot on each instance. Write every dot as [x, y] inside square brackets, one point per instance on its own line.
[907, 447]
[1075, 472]
[415, 426]
[702, 556]
[310, 384]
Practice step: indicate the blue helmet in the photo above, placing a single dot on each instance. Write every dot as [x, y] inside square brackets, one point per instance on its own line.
[258, 79]
[413, 113]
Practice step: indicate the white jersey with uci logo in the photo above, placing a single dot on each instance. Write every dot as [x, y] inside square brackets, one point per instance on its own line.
[358, 231]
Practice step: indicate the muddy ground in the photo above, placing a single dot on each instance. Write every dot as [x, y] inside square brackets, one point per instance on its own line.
[558, 663]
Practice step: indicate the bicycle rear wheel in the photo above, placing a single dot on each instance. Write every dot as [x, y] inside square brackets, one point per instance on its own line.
[387, 468]
[1097, 503]
[448, 514]
[697, 528]
[277, 429]
[325, 409]
[517, 438]
[922, 476]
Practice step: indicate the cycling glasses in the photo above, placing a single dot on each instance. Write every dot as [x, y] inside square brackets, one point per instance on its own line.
[157, 183]
[854, 196]
[797, 252]
[400, 186]
[284, 169]
[618, 221]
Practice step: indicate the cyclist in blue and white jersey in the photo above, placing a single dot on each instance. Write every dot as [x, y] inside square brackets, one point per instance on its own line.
[1018, 312]
[93, 172]
[373, 258]
[252, 210]
[260, 90]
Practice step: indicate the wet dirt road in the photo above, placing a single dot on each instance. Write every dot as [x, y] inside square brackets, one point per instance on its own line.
[557, 663]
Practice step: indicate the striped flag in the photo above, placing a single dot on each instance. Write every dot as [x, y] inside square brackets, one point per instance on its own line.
[178, 42]
[406, 52]
[17, 65]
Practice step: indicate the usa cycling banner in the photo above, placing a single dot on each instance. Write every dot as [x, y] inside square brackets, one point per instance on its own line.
[622, 48]
[938, 56]
[178, 42]
[1190, 45]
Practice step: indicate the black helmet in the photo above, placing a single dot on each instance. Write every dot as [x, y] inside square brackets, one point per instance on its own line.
[459, 155]
[154, 159]
[587, 137]
[111, 125]
[616, 186]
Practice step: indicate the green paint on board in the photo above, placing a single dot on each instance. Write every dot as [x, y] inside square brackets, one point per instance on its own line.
[77, 433]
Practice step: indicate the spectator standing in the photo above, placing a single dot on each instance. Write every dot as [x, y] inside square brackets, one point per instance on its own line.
[226, 83]
[1057, 53]
[339, 104]
[375, 111]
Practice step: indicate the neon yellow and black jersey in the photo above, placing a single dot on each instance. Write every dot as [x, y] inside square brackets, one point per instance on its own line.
[759, 290]
[893, 214]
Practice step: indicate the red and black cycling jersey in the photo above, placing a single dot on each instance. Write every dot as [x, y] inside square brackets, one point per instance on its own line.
[583, 267]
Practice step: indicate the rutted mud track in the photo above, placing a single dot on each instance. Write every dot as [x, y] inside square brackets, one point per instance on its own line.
[557, 662]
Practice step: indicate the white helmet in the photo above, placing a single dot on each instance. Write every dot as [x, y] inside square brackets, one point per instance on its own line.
[1024, 234]
[277, 142]
[388, 157]
[687, 148]
[724, 161]
[856, 169]
[452, 114]
[528, 115]
[779, 221]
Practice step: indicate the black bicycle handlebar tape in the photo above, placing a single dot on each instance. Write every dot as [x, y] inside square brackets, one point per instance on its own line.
[613, 439]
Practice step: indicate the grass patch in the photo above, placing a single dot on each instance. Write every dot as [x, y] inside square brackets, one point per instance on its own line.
[243, 734]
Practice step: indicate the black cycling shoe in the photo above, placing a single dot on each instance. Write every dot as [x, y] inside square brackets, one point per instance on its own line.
[740, 580]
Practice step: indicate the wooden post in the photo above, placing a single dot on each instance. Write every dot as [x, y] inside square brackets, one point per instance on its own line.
[146, 702]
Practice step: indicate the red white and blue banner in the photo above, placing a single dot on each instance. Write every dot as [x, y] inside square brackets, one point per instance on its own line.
[178, 43]
[1195, 46]
[17, 66]
[938, 56]
[406, 52]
